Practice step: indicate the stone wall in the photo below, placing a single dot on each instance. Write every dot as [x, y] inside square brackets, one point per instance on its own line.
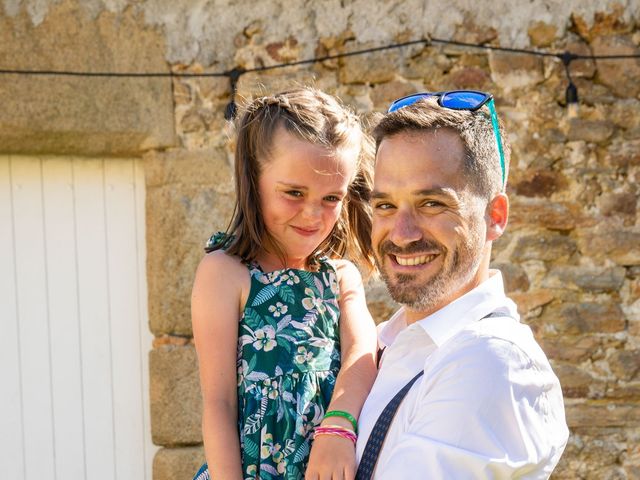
[571, 254]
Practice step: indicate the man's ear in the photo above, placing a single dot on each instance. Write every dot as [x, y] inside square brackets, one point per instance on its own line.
[497, 216]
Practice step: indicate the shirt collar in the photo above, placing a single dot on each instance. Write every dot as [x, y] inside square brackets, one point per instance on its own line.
[388, 331]
[486, 298]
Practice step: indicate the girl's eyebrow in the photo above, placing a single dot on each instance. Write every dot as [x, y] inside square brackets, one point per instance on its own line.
[292, 185]
[300, 187]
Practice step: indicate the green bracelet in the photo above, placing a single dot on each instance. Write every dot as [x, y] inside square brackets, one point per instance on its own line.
[347, 415]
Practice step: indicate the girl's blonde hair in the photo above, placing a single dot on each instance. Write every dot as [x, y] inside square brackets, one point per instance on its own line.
[317, 118]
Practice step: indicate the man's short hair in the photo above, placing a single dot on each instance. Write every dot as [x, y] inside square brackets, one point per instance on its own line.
[482, 160]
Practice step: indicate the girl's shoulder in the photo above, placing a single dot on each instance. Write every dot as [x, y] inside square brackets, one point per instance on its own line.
[220, 259]
[345, 270]
[222, 272]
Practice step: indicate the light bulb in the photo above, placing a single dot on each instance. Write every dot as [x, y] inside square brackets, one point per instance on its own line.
[572, 100]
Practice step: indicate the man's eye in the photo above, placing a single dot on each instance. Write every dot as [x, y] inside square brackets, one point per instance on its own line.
[382, 206]
[432, 204]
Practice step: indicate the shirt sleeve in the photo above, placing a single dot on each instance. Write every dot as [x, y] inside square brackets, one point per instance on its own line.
[485, 409]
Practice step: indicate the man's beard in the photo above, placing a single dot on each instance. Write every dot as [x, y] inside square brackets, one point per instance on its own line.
[458, 268]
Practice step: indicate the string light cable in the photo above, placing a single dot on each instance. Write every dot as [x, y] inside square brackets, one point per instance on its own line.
[235, 73]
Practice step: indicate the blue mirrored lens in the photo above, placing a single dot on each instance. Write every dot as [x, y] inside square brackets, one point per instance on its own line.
[463, 100]
[406, 101]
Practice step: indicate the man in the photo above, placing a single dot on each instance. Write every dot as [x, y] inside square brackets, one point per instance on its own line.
[488, 404]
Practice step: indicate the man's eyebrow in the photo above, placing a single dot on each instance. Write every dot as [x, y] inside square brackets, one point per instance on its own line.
[377, 194]
[427, 192]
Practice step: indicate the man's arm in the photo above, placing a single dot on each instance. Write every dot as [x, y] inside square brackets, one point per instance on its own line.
[485, 410]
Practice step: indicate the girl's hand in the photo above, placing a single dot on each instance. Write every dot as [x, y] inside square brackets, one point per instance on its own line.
[332, 458]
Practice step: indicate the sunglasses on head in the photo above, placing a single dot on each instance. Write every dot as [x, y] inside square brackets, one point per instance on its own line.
[459, 100]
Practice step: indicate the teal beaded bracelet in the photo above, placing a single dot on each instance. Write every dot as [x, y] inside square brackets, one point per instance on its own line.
[347, 415]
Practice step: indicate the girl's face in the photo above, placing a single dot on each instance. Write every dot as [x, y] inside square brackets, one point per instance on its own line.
[302, 188]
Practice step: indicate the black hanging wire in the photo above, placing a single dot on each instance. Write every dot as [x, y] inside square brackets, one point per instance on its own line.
[66, 73]
[235, 73]
[492, 47]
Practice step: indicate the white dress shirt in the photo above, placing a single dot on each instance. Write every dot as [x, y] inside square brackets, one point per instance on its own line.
[488, 405]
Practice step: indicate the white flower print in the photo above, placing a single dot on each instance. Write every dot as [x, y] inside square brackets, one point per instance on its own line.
[278, 309]
[282, 463]
[291, 279]
[265, 338]
[303, 356]
[276, 278]
[270, 388]
[252, 471]
[243, 366]
[312, 302]
[333, 284]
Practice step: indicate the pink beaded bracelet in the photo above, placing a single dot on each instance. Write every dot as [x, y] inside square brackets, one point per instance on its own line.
[336, 430]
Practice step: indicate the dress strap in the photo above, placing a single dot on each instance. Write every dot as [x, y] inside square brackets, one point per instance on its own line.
[326, 265]
[218, 241]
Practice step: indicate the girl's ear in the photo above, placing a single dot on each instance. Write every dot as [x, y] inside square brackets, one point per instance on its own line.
[497, 216]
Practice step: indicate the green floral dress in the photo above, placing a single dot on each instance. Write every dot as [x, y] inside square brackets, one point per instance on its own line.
[288, 360]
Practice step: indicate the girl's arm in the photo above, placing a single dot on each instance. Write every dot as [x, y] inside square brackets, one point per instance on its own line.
[215, 305]
[333, 457]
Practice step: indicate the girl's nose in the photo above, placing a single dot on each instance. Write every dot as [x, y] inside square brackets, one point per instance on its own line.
[312, 211]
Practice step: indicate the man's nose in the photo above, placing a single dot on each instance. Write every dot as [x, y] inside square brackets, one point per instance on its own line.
[405, 228]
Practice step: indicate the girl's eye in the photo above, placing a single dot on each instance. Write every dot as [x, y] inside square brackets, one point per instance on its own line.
[333, 199]
[294, 193]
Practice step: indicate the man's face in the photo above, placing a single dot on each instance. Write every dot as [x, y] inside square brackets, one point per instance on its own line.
[429, 228]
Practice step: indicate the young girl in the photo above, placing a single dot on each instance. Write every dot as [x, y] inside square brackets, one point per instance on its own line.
[276, 312]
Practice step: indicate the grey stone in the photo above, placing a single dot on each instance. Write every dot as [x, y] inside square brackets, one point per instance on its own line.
[596, 131]
[576, 383]
[621, 245]
[543, 246]
[189, 197]
[583, 318]
[510, 71]
[177, 463]
[625, 364]
[525, 212]
[515, 278]
[81, 115]
[623, 153]
[379, 302]
[620, 77]
[176, 403]
[375, 68]
[618, 203]
[593, 279]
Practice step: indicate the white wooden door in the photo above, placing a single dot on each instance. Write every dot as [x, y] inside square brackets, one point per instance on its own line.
[74, 335]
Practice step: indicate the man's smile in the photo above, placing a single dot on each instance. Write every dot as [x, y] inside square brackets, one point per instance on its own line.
[413, 260]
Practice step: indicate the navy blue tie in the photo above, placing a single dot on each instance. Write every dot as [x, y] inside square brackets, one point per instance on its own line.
[379, 432]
